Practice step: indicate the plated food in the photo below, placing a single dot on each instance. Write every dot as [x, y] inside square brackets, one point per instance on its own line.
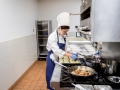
[66, 59]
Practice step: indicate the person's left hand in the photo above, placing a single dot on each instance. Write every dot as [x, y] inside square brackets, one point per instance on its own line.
[75, 53]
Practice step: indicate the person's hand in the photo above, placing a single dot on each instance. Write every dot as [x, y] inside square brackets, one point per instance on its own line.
[75, 53]
[73, 56]
[69, 51]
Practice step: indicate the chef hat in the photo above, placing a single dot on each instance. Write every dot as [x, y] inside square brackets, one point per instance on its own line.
[63, 19]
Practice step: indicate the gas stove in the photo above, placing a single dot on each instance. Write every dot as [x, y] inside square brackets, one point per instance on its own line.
[62, 80]
[97, 79]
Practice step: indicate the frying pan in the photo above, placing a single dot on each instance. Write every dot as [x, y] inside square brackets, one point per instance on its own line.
[73, 68]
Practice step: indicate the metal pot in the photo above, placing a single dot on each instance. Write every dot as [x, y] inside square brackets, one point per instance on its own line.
[111, 66]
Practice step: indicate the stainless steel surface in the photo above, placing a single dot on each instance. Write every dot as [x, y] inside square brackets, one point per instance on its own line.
[86, 4]
[87, 87]
[83, 28]
[111, 66]
[79, 87]
[102, 17]
[55, 80]
[105, 20]
[85, 22]
[102, 87]
[111, 51]
[75, 40]
[110, 62]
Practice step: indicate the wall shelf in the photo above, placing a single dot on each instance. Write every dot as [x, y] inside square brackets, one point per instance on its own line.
[44, 53]
[43, 30]
[44, 44]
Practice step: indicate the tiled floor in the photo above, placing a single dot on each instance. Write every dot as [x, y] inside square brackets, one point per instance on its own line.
[34, 79]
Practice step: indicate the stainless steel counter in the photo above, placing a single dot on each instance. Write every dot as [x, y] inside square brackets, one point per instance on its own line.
[55, 80]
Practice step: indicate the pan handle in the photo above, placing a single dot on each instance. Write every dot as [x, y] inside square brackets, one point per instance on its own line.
[60, 64]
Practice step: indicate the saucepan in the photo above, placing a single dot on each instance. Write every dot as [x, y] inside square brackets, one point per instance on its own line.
[111, 66]
[78, 70]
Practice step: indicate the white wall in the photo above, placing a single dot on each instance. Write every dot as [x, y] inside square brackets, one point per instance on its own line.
[16, 56]
[18, 49]
[49, 9]
[17, 18]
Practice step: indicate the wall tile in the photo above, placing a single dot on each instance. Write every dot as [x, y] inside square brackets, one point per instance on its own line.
[16, 56]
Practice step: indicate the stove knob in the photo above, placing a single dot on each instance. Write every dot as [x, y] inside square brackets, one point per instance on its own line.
[100, 80]
[96, 78]
[116, 79]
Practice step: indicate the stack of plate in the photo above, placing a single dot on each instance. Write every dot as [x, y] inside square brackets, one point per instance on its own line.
[74, 48]
[90, 49]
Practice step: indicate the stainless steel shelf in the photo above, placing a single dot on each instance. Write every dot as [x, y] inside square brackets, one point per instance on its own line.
[42, 57]
[42, 35]
[44, 53]
[42, 38]
[43, 30]
[44, 44]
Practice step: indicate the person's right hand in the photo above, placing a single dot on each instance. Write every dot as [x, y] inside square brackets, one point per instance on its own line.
[73, 56]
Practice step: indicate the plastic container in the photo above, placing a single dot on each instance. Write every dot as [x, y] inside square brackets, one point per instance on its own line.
[102, 87]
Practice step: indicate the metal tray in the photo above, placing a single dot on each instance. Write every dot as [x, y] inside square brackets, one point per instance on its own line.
[102, 87]
[78, 63]
[69, 61]
[87, 87]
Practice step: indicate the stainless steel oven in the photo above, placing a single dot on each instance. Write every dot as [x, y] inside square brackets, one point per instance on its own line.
[100, 19]
[85, 26]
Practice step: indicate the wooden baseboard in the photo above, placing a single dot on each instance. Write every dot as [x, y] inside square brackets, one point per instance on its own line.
[13, 86]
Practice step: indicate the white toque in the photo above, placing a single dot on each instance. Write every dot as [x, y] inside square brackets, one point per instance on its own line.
[63, 19]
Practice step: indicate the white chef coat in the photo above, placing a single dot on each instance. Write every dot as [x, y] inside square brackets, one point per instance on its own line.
[52, 45]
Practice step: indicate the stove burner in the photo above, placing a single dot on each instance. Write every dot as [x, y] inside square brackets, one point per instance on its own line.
[114, 79]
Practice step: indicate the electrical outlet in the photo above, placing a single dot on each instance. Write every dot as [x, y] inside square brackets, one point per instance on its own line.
[33, 30]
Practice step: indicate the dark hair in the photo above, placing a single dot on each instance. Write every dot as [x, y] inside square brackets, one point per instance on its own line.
[65, 27]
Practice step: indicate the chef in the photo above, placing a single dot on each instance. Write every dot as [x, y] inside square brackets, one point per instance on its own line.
[56, 45]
